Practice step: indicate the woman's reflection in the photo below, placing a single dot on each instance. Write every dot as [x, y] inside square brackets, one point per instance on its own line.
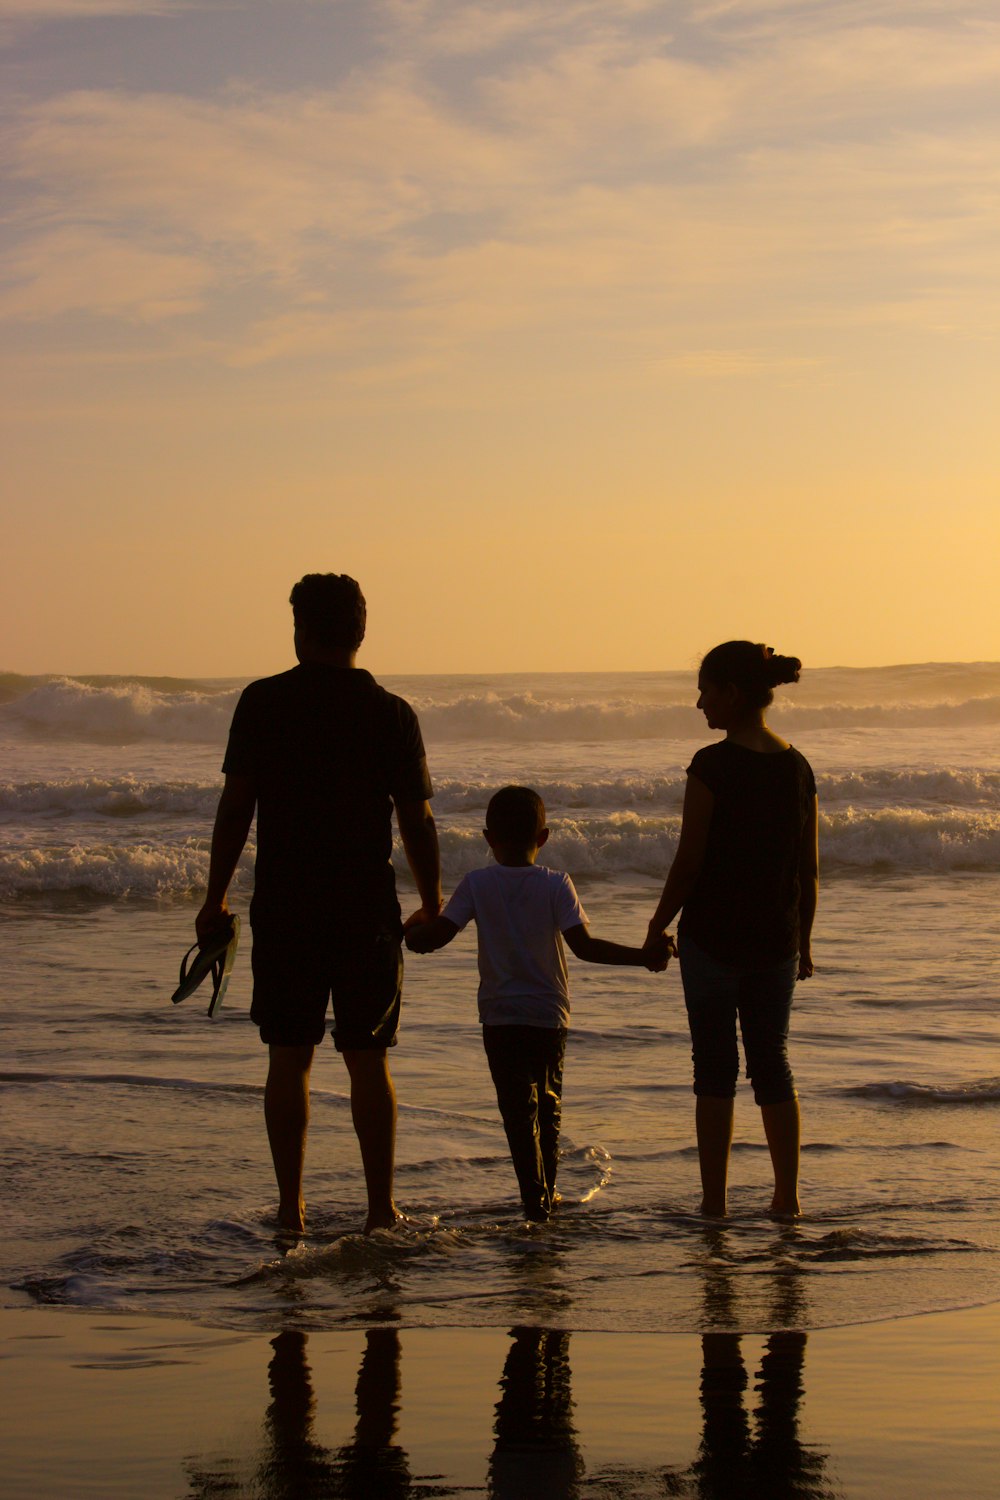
[535, 1452]
[762, 1458]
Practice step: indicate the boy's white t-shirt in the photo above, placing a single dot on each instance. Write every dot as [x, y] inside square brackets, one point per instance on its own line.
[520, 912]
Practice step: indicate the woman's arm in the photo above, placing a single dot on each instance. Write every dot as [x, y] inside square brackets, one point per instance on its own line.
[808, 888]
[690, 856]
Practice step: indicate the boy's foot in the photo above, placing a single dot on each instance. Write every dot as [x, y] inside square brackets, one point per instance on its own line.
[292, 1218]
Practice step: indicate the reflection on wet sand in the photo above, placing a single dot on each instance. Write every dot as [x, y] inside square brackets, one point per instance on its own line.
[747, 1451]
[292, 1465]
[536, 1452]
[763, 1458]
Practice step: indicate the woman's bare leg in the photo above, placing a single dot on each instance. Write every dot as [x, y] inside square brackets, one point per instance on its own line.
[714, 1127]
[782, 1128]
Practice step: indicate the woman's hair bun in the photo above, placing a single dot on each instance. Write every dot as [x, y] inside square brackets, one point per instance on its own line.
[778, 669]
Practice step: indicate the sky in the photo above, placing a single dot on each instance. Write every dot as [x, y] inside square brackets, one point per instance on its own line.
[584, 333]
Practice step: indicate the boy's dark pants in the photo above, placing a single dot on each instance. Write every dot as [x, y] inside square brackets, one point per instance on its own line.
[527, 1067]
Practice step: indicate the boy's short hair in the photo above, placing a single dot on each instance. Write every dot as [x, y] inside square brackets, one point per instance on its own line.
[515, 816]
[331, 606]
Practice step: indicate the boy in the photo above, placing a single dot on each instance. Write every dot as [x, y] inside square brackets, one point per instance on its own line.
[520, 910]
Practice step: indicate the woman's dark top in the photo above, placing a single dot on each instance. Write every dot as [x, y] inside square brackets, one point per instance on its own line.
[744, 908]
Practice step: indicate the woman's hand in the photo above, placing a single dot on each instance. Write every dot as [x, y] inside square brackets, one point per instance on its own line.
[658, 949]
[805, 964]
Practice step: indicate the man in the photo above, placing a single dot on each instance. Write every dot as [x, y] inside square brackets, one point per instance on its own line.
[324, 754]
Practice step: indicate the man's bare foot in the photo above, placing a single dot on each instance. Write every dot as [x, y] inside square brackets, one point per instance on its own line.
[385, 1219]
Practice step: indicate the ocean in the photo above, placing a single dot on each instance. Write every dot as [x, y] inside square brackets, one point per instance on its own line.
[133, 1150]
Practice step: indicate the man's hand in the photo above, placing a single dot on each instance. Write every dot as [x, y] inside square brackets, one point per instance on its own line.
[806, 969]
[419, 918]
[213, 915]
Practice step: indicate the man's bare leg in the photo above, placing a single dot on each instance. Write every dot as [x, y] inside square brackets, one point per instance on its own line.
[782, 1128]
[373, 1110]
[714, 1127]
[286, 1113]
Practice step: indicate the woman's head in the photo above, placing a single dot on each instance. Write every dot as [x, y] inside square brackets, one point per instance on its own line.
[752, 669]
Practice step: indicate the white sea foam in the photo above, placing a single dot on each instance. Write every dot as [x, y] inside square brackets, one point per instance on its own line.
[981, 1091]
[934, 789]
[599, 847]
[118, 797]
[119, 713]
[556, 710]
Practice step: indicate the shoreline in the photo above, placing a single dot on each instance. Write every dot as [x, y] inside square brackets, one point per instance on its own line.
[110, 1404]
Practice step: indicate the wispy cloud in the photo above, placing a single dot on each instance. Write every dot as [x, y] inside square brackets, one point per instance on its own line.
[595, 177]
[62, 10]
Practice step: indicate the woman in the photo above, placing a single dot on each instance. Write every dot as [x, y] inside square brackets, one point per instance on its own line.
[746, 874]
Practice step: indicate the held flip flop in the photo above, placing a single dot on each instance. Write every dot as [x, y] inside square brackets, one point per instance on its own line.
[215, 958]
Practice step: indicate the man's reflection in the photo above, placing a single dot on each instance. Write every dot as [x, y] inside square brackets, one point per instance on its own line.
[535, 1452]
[293, 1465]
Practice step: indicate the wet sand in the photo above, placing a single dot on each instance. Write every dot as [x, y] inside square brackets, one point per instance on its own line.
[111, 1405]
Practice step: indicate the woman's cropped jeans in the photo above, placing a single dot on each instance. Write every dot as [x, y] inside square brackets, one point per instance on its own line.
[716, 995]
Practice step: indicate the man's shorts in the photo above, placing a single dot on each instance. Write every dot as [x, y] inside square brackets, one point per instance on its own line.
[294, 977]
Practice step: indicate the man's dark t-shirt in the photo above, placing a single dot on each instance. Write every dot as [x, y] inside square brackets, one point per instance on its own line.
[744, 908]
[328, 751]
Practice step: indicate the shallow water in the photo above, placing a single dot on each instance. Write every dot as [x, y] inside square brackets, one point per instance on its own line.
[134, 1147]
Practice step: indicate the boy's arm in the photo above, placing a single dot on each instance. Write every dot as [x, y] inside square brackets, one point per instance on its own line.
[595, 950]
[428, 937]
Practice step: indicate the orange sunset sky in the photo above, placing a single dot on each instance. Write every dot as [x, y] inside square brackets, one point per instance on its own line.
[584, 333]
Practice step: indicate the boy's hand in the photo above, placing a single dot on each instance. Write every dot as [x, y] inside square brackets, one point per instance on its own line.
[420, 918]
[658, 951]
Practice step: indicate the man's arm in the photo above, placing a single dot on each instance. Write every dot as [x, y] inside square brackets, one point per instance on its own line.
[808, 889]
[232, 824]
[594, 950]
[420, 844]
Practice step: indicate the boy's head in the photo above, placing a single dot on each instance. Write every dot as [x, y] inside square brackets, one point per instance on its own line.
[515, 819]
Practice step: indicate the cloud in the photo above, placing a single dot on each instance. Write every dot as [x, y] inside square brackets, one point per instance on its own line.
[43, 10]
[70, 270]
[604, 182]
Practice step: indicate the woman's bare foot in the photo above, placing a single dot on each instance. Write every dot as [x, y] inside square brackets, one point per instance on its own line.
[784, 1208]
[712, 1210]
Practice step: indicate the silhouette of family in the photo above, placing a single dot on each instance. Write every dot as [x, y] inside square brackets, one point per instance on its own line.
[324, 757]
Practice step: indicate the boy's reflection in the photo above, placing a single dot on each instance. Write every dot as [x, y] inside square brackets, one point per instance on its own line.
[536, 1452]
[293, 1465]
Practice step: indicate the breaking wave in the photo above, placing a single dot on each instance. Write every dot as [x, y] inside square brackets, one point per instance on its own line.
[125, 710]
[627, 843]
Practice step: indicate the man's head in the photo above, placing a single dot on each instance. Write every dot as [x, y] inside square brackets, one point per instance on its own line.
[515, 819]
[329, 612]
